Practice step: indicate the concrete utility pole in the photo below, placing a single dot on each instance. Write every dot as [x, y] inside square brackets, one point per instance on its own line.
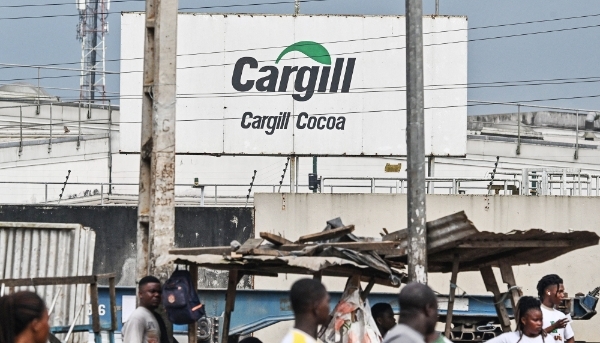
[156, 206]
[415, 143]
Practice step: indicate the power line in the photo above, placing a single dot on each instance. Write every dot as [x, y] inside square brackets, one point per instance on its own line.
[358, 52]
[374, 38]
[180, 9]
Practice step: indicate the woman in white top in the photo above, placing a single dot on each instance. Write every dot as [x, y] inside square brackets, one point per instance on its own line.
[529, 324]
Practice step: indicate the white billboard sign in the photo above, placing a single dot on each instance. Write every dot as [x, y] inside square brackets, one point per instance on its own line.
[305, 85]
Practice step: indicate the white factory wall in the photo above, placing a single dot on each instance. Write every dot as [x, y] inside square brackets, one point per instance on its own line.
[307, 213]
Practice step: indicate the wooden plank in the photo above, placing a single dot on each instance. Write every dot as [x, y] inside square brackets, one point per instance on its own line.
[47, 281]
[105, 276]
[508, 277]
[492, 286]
[365, 293]
[220, 250]
[396, 235]
[113, 303]
[229, 302]
[250, 244]
[515, 244]
[275, 239]
[193, 328]
[325, 235]
[95, 304]
[453, 278]
[268, 252]
[359, 246]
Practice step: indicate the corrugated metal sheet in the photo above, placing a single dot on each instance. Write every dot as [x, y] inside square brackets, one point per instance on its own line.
[455, 235]
[30, 250]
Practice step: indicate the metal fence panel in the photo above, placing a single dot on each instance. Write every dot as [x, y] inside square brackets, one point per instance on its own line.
[30, 250]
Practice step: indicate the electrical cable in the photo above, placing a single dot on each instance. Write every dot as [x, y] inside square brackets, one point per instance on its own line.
[349, 112]
[343, 41]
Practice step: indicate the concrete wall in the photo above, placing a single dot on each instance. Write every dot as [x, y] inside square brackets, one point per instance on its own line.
[294, 215]
[116, 227]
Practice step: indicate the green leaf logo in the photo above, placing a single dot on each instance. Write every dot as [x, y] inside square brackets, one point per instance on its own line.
[314, 50]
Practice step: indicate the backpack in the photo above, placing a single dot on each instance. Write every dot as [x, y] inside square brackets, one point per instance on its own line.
[180, 299]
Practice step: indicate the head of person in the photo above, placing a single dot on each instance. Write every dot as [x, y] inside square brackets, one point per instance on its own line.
[310, 301]
[23, 316]
[150, 292]
[418, 308]
[250, 340]
[551, 289]
[384, 317]
[529, 317]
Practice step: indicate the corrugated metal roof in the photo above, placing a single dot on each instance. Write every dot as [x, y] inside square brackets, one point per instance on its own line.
[456, 235]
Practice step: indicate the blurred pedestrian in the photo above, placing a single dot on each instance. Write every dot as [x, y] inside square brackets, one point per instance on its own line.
[556, 324]
[23, 318]
[383, 314]
[418, 315]
[529, 324]
[437, 337]
[250, 340]
[144, 325]
[310, 303]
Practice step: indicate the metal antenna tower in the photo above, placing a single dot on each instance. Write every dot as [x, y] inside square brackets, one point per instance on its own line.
[91, 31]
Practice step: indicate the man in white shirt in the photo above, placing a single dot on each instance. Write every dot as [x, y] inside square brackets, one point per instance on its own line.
[556, 324]
[142, 325]
[310, 303]
[418, 315]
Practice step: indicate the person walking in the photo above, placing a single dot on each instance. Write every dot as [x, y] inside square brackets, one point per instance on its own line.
[418, 315]
[23, 318]
[144, 325]
[529, 324]
[310, 303]
[383, 314]
[556, 324]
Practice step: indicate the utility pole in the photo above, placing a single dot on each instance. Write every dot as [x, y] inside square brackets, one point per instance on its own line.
[156, 205]
[415, 143]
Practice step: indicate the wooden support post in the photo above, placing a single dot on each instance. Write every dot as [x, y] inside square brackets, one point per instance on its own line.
[193, 328]
[492, 286]
[453, 277]
[368, 289]
[113, 303]
[508, 277]
[94, 301]
[234, 278]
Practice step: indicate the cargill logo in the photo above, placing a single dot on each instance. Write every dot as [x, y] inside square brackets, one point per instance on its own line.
[309, 79]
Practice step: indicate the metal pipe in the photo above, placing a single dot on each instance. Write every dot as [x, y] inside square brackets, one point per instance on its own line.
[577, 137]
[437, 7]
[109, 148]
[519, 129]
[101, 194]
[79, 127]
[46, 193]
[529, 106]
[50, 141]
[292, 174]
[37, 108]
[415, 142]
[20, 130]
[73, 324]
[202, 195]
